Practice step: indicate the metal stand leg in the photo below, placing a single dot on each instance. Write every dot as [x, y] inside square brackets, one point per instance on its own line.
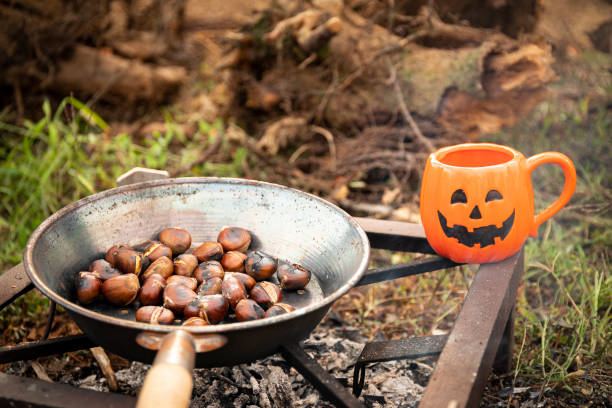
[503, 358]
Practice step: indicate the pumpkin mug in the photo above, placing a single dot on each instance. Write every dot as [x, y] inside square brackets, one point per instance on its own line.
[477, 200]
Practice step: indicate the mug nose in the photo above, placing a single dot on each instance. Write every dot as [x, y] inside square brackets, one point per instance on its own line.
[475, 214]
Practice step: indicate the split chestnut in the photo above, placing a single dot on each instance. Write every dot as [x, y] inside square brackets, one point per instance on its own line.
[154, 315]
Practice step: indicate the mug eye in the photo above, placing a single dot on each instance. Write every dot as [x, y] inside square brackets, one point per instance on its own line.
[493, 195]
[458, 197]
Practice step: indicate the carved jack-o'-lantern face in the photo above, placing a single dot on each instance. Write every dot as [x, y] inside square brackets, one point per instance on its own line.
[484, 235]
[477, 200]
[474, 202]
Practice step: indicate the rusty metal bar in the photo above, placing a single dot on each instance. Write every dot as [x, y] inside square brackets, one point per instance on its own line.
[323, 381]
[466, 361]
[13, 283]
[411, 348]
[27, 392]
[395, 235]
[35, 349]
[432, 263]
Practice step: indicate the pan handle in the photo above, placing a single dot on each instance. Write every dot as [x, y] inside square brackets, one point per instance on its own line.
[169, 382]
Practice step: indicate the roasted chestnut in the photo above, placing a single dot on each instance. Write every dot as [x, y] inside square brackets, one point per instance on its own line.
[292, 277]
[233, 290]
[211, 286]
[162, 266]
[87, 287]
[152, 290]
[207, 270]
[177, 239]
[177, 296]
[121, 290]
[112, 252]
[211, 308]
[245, 279]
[209, 251]
[154, 315]
[259, 265]
[103, 269]
[156, 250]
[129, 261]
[279, 309]
[266, 294]
[248, 309]
[191, 283]
[234, 239]
[185, 264]
[233, 261]
[195, 321]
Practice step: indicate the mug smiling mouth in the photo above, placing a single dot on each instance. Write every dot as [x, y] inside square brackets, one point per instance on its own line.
[484, 236]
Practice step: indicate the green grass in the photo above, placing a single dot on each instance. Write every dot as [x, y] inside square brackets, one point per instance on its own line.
[67, 155]
[565, 307]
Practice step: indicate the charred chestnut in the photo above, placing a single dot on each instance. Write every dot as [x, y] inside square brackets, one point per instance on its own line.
[121, 290]
[162, 266]
[185, 264]
[245, 279]
[279, 309]
[103, 269]
[129, 261]
[211, 286]
[259, 265]
[87, 287]
[177, 296]
[152, 290]
[248, 309]
[234, 239]
[209, 251]
[233, 290]
[194, 322]
[233, 261]
[211, 308]
[292, 277]
[154, 315]
[266, 294]
[191, 283]
[177, 239]
[207, 270]
[156, 250]
[112, 252]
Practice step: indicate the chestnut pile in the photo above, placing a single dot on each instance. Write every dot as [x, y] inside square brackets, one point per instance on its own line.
[205, 285]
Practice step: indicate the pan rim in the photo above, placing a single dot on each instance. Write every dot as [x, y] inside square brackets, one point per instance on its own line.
[221, 328]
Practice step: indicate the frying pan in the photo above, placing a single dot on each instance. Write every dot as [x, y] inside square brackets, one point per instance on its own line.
[286, 223]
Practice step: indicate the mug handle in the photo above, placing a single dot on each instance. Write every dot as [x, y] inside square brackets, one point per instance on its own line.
[569, 173]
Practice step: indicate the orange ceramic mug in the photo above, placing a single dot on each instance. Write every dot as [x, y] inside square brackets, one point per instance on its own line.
[477, 200]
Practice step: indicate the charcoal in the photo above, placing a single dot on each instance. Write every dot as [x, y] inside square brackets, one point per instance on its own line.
[272, 382]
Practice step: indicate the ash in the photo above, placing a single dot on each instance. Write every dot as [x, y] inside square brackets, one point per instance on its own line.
[272, 382]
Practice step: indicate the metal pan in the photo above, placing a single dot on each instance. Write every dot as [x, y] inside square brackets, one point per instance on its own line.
[284, 222]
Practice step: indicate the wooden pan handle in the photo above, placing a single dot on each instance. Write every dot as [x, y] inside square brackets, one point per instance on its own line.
[169, 382]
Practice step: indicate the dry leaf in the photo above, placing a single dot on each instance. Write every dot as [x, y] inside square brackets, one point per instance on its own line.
[281, 133]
